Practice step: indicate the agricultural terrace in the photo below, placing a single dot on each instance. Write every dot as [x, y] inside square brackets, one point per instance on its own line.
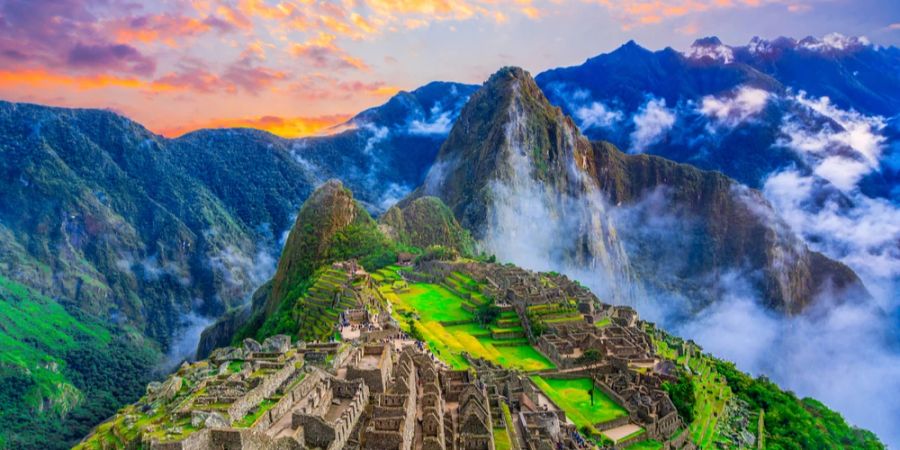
[649, 444]
[443, 315]
[573, 396]
[711, 393]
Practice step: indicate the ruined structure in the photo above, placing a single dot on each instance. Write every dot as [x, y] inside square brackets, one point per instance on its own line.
[379, 389]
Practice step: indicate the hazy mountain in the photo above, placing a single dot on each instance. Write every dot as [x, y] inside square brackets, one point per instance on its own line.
[520, 176]
[731, 108]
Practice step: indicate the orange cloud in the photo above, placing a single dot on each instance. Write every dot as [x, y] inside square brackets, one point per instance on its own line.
[42, 78]
[288, 127]
[164, 27]
[321, 52]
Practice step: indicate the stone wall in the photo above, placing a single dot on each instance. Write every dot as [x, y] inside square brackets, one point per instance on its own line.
[378, 377]
[266, 388]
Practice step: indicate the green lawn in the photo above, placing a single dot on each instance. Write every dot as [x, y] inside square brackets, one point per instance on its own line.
[434, 304]
[572, 396]
[501, 439]
[649, 444]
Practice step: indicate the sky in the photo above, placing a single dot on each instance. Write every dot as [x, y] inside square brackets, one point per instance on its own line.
[297, 67]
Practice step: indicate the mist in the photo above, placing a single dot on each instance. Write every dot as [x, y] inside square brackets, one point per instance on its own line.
[843, 353]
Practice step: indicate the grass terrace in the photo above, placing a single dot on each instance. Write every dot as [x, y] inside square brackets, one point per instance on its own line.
[572, 396]
[712, 393]
[649, 444]
[442, 315]
[501, 439]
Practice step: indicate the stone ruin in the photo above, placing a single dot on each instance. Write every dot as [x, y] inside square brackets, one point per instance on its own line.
[381, 390]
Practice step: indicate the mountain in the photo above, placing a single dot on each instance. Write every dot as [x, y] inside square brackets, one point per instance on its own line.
[519, 175]
[62, 372]
[332, 226]
[732, 108]
[158, 235]
[424, 222]
[357, 341]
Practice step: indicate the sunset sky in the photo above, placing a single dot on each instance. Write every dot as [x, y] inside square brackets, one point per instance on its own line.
[296, 66]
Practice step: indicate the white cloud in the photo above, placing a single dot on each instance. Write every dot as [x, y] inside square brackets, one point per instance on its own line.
[733, 110]
[597, 115]
[651, 123]
[862, 232]
[377, 135]
[720, 53]
[840, 146]
[440, 123]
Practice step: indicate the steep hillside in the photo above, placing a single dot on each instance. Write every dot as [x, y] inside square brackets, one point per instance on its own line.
[533, 190]
[515, 172]
[62, 372]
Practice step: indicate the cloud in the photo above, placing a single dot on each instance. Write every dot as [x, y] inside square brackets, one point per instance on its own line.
[860, 231]
[840, 146]
[375, 136]
[43, 79]
[731, 111]
[597, 115]
[322, 53]
[633, 13]
[120, 57]
[288, 127]
[439, 123]
[247, 74]
[841, 355]
[652, 121]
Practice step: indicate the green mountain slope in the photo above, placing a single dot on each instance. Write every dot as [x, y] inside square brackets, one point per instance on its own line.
[426, 221]
[61, 373]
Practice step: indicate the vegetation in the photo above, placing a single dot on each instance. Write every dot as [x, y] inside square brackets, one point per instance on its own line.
[448, 323]
[61, 372]
[682, 394]
[425, 222]
[574, 397]
[792, 423]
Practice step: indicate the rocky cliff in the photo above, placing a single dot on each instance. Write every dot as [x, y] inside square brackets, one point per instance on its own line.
[520, 176]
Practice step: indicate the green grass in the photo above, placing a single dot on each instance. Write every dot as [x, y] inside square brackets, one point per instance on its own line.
[501, 439]
[603, 322]
[250, 419]
[649, 444]
[434, 304]
[572, 396]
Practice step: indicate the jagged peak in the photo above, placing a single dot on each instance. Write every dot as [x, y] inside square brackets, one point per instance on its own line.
[709, 41]
[710, 49]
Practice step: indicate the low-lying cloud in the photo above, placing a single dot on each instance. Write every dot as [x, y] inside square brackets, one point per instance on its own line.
[651, 122]
[733, 110]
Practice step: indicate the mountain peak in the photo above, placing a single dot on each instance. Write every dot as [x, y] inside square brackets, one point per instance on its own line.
[709, 41]
[325, 213]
